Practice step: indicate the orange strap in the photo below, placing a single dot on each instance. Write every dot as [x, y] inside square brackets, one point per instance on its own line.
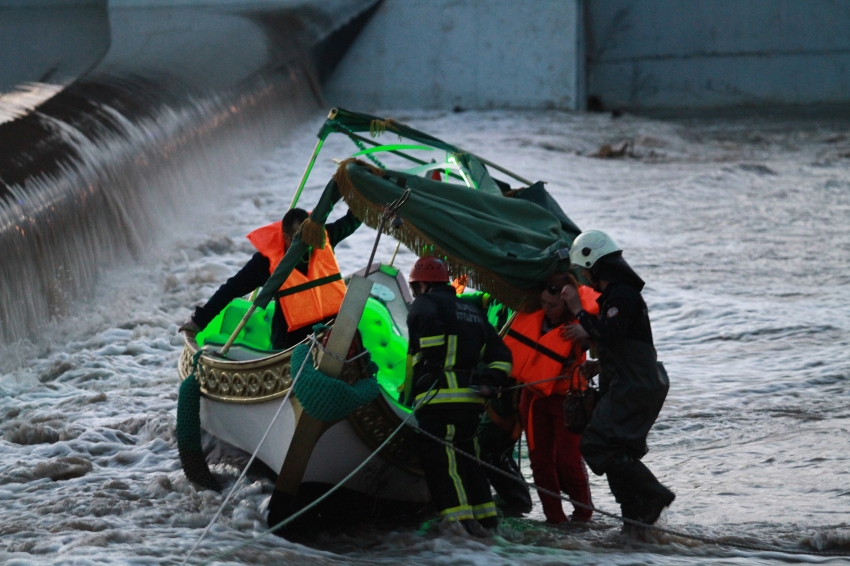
[510, 425]
[529, 433]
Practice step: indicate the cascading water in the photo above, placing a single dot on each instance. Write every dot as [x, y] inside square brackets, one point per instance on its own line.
[739, 227]
[184, 98]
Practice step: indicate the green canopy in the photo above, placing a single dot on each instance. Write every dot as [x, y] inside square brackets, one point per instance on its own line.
[506, 241]
[348, 122]
[507, 246]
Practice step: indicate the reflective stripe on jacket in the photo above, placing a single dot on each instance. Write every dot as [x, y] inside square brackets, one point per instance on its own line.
[452, 347]
[303, 299]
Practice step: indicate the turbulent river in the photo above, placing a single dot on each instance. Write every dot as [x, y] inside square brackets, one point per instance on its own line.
[741, 228]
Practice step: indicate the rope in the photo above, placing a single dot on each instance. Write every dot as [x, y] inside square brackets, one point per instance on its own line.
[253, 456]
[702, 539]
[360, 144]
[327, 352]
[521, 385]
[328, 399]
[300, 512]
[291, 518]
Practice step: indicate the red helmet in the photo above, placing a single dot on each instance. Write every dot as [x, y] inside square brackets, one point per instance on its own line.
[429, 270]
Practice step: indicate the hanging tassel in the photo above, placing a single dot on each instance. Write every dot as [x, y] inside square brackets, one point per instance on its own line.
[313, 234]
[409, 235]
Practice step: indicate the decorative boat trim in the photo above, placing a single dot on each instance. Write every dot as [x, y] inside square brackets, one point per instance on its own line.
[269, 378]
[231, 381]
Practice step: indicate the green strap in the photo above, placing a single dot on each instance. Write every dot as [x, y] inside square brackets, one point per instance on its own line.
[309, 285]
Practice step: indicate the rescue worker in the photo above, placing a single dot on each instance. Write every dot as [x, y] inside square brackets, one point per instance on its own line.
[632, 383]
[498, 433]
[500, 426]
[453, 350]
[540, 353]
[312, 293]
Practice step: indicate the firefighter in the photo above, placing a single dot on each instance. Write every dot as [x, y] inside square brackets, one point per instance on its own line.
[312, 293]
[453, 352]
[501, 426]
[632, 383]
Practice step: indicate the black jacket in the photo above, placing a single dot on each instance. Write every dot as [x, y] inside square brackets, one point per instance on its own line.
[256, 272]
[452, 343]
[633, 384]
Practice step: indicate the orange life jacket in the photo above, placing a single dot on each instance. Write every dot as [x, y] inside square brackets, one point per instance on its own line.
[539, 356]
[303, 299]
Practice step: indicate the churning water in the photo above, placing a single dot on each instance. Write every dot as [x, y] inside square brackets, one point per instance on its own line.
[740, 227]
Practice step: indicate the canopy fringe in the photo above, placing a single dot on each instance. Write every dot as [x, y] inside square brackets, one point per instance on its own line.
[313, 234]
[412, 238]
[378, 127]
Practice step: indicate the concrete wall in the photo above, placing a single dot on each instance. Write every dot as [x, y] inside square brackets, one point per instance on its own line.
[715, 53]
[464, 53]
[199, 41]
[50, 41]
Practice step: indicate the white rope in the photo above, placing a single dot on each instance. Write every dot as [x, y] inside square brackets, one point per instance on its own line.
[327, 352]
[705, 540]
[253, 456]
[300, 512]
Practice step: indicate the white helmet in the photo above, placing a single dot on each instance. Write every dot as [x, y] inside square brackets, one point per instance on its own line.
[591, 245]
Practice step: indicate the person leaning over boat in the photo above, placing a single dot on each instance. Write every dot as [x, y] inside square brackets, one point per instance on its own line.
[452, 349]
[632, 383]
[312, 293]
[539, 354]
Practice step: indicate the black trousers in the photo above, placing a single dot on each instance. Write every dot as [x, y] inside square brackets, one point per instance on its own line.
[458, 485]
[497, 448]
[640, 495]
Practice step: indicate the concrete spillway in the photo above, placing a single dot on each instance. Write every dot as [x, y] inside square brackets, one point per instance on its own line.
[180, 98]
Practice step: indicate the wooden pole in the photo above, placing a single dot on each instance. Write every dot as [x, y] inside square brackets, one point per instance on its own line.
[240, 326]
[306, 173]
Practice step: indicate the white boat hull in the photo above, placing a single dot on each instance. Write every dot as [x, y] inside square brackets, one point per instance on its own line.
[338, 452]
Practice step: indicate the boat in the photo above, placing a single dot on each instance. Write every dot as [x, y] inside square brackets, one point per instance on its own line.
[235, 387]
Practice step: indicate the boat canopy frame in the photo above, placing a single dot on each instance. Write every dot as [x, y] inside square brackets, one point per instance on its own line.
[506, 241]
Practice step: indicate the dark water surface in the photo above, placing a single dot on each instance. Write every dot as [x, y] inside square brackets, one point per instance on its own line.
[741, 229]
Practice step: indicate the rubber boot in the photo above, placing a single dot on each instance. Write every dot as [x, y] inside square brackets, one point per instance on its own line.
[625, 493]
[473, 528]
[654, 496]
[513, 497]
[640, 495]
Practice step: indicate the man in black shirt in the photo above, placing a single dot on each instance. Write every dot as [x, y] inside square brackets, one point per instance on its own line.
[257, 271]
[632, 383]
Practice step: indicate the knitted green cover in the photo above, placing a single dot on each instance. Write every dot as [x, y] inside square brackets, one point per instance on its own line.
[189, 435]
[325, 398]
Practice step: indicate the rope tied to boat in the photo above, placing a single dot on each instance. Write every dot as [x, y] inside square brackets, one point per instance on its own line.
[406, 422]
[253, 456]
[620, 518]
[302, 511]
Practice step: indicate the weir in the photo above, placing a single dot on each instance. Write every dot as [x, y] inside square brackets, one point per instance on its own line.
[181, 100]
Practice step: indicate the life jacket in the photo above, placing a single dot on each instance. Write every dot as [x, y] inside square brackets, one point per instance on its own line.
[303, 299]
[538, 357]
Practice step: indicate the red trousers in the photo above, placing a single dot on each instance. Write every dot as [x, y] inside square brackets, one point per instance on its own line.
[556, 462]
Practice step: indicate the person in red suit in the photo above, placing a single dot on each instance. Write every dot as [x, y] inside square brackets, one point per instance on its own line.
[541, 353]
